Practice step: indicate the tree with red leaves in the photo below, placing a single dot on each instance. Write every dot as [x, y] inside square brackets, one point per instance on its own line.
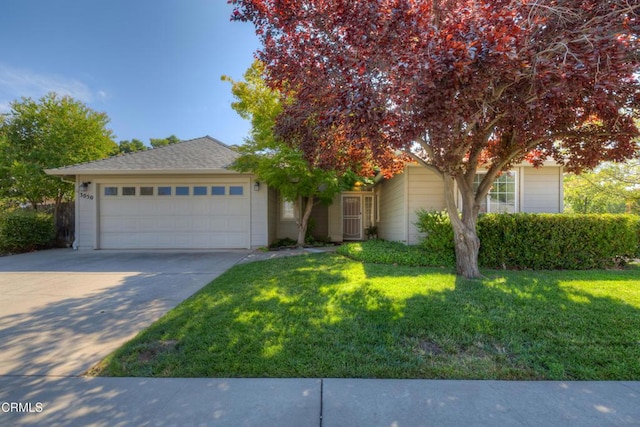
[455, 85]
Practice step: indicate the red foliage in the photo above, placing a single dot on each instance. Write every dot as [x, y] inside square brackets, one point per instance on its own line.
[472, 81]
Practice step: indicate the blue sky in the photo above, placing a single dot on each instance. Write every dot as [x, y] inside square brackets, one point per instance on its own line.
[153, 66]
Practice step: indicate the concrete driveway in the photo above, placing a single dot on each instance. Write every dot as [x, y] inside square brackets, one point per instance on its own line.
[61, 311]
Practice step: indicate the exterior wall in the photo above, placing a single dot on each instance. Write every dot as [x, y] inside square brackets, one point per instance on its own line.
[541, 189]
[287, 228]
[425, 190]
[88, 203]
[320, 215]
[392, 218]
[334, 213]
[273, 215]
[86, 215]
[259, 216]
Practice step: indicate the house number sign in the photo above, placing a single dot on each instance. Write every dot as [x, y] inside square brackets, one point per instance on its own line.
[86, 196]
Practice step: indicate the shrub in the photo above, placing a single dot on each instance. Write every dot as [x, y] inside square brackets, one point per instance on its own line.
[379, 251]
[438, 234]
[557, 241]
[540, 241]
[24, 231]
[283, 243]
[536, 241]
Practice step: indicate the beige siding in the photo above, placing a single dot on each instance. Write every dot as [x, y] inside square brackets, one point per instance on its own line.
[86, 226]
[273, 215]
[541, 189]
[259, 215]
[286, 227]
[320, 216]
[392, 224]
[426, 191]
[334, 223]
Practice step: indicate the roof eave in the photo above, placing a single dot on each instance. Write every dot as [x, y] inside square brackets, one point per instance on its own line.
[63, 172]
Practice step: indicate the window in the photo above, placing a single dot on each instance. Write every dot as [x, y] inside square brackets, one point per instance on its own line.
[502, 196]
[110, 191]
[182, 191]
[288, 211]
[146, 191]
[164, 191]
[235, 191]
[217, 191]
[199, 191]
[128, 191]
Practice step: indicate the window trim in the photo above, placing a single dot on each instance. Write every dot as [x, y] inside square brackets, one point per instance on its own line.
[515, 173]
[287, 213]
[153, 191]
[164, 195]
[233, 188]
[135, 191]
[206, 192]
[214, 187]
[182, 188]
[114, 194]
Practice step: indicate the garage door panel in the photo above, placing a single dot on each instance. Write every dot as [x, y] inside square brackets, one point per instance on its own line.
[165, 224]
[237, 224]
[238, 205]
[112, 207]
[147, 225]
[220, 208]
[128, 224]
[199, 222]
[202, 207]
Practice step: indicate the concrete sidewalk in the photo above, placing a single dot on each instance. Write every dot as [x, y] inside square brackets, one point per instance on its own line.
[73, 401]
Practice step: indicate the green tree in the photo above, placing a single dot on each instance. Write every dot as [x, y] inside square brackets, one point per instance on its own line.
[52, 132]
[160, 142]
[132, 146]
[457, 86]
[610, 188]
[271, 159]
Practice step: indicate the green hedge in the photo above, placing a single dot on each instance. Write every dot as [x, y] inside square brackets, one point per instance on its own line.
[557, 241]
[541, 241]
[379, 251]
[24, 231]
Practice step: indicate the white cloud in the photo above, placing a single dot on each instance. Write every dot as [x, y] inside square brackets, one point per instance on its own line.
[16, 83]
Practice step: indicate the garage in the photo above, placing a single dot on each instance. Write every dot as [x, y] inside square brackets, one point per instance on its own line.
[183, 216]
[181, 196]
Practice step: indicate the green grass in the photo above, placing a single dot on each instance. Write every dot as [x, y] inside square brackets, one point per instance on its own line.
[328, 316]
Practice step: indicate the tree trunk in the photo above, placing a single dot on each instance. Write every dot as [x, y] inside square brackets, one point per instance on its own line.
[467, 244]
[302, 218]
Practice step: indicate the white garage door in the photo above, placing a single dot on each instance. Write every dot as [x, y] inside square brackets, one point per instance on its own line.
[185, 216]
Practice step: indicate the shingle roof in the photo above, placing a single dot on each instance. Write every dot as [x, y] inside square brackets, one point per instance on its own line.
[196, 155]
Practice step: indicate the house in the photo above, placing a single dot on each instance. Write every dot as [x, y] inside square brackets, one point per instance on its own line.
[185, 196]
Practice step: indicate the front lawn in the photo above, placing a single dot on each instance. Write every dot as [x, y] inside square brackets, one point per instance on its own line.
[327, 316]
